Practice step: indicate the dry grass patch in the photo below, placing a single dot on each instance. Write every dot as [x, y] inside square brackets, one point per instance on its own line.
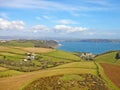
[38, 50]
[2, 48]
[2, 69]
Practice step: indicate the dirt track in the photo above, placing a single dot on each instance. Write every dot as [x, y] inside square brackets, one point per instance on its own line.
[113, 72]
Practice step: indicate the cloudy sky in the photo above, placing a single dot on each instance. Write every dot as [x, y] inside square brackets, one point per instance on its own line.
[60, 18]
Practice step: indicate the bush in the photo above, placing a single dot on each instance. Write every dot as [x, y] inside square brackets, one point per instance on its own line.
[117, 55]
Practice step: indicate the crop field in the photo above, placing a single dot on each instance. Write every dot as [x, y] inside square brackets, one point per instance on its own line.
[113, 72]
[37, 50]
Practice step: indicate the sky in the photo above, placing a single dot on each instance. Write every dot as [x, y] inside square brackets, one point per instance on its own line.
[60, 18]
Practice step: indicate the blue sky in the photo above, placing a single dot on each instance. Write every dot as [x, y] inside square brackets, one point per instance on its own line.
[60, 18]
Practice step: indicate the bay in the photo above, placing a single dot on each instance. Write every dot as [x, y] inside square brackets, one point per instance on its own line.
[93, 47]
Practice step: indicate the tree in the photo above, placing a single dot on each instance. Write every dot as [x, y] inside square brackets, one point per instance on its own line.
[117, 55]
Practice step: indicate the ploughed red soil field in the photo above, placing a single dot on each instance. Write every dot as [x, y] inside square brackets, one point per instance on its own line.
[113, 72]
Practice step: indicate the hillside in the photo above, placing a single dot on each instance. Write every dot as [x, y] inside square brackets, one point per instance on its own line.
[30, 43]
[52, 69]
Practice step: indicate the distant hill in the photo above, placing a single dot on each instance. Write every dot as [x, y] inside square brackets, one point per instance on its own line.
[92, 40]
[30, 43]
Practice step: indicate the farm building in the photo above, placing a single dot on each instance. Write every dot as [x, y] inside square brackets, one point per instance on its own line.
[87, 56]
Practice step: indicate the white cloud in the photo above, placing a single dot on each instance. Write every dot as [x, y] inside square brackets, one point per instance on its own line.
[19, 25]
[65, 21]
[54, 5]
[68, 29]
[11, 25]
[40, 28]
[35, 4]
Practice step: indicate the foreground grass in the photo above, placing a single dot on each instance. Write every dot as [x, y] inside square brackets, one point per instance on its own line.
[25, 79]
[70, 68]
[68, 82]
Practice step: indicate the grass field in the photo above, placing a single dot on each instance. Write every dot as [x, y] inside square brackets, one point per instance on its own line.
[107, 58]
[59, 55]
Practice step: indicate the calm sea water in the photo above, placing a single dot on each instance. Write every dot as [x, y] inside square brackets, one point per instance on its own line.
[94, 47]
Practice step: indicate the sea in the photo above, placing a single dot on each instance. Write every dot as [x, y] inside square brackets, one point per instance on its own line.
[93, 47]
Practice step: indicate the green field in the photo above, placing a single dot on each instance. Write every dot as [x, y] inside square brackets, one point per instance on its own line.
[49, 63]
[107, 58]
[59, 55]
[17, 44]
[30, 43]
